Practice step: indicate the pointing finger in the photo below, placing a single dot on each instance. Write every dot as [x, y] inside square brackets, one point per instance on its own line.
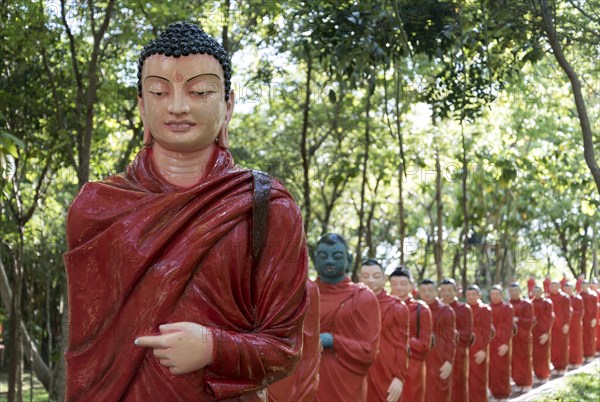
[151, 341]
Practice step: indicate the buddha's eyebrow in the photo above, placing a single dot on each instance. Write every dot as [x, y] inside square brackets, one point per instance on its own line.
[200, 75]
[196, 76]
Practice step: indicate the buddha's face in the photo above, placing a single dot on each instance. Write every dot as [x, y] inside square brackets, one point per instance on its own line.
[447, 293]
[373, 277]
[472, 296]
[496, 296]
[331, 261]
[401, 286]
[182, 101]
[427, 292]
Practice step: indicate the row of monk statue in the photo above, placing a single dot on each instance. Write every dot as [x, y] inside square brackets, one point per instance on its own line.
[394, 347]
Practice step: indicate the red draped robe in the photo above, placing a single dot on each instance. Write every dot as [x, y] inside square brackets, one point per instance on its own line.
[544, 318]
[522, 347]
[444, 347]
[478, 373]
[598, 323]
[460, 371]
[419, 345]
[560, 341]
[575, 335]
[350, 312]
[392, 360]
[302, 385]
[143, 252]
[590, 312]
[502, 317]
[530, 287]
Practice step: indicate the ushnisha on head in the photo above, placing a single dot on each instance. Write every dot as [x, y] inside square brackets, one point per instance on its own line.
[184, 39]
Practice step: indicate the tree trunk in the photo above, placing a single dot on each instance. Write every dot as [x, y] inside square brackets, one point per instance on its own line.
[361, 213]
[439, 245]
[584, 121]
[15, 349]
[465, 211]
[39, 366]
[304, 146]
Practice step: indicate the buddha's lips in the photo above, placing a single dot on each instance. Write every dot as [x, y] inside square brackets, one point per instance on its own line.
[183, 125]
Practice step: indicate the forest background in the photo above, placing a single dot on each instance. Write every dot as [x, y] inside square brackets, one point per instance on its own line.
[458, 138]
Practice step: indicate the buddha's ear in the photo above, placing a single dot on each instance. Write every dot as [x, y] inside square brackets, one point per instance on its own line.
[223, 137]
[147, 139]
[350, 259]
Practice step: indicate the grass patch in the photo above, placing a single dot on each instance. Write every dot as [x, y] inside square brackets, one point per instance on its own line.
[582, 387]
[39, 394]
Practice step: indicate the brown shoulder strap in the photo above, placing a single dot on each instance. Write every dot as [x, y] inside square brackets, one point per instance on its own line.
[260, 210]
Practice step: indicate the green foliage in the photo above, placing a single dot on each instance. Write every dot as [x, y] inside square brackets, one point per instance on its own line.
[582, 387]
[533, 207]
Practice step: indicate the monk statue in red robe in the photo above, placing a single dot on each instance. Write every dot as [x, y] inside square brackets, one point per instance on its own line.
[186, 274]
[350, 324]
[522, 343]
[589, 321]
[547, 282]
[302, 384]
[464, 329]
[483, 331]
[387, 375]
[440, 360]
[559, 350]
[594, 287]
[542, 332]
[575, 328]
[420, 338]
[501, 345]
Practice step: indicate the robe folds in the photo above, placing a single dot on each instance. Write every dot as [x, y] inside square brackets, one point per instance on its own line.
[598, 324]
[482, 330]
[522, 343]
[464, 329]
[349, 311]
[302, 384]
[559, 351]
[143, 252]
[444, 347]
[392, 359]
[590, 312]
[575, 335]
[419, 345]
[499, 376]
[544, 319]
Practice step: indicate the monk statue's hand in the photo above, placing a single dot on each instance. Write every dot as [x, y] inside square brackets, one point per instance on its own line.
[326, 340]
[445, 370]
[394, 390]
[544, 338]
[565, 328]
[593, 323]
[183, 347]
[480, 357]
[502, 350]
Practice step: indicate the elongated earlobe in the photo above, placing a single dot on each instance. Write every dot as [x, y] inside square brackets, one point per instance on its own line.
[148, 139]
[223, 138]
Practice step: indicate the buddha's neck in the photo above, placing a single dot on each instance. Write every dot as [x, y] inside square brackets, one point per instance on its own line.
[182, 169]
